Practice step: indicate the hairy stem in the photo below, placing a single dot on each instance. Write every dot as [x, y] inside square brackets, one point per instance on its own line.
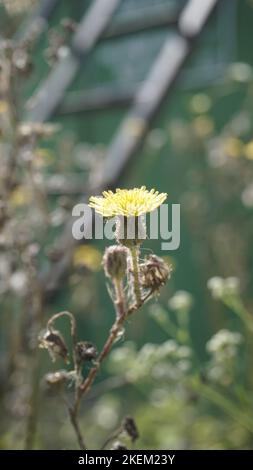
[81, 390]
[72, 321]
[119, 297]
[134, 250]
[115, 330]
[75, 423]
[111, 438]
[72, 410]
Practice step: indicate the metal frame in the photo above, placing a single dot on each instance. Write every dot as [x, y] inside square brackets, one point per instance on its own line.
[132, 131]
[89, 31]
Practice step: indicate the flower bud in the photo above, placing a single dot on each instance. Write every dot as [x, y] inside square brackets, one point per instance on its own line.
[115, 262]
[129, 426]
[85, 351]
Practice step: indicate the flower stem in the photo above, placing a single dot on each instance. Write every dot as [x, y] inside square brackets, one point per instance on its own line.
[226, 405]
[111, 438]
[76, 427]
[238, 308]
[72, 410]
[134, 250]
[120, 298]
[115, 330]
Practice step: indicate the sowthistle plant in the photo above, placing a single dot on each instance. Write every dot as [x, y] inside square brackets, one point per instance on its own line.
[133, 282]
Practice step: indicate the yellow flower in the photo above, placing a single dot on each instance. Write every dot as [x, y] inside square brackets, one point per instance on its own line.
[127, 202]
[88, 256]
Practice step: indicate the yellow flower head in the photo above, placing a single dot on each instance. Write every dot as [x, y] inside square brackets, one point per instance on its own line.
[127, 202]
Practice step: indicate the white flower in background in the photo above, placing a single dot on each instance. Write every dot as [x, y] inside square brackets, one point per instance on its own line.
[220, 287]
[224, 344]
[148, 352]
[181, 300]
[169, 361]
[184, 352]
[216, 286]
[169, 347]
[223, 348]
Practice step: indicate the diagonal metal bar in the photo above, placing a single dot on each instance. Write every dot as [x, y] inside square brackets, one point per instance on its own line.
[152, 18]
[133, 129]
[97, 99]
[151, 94]
[146, 103]
[88, 33]
[194, 16]
[45, 8]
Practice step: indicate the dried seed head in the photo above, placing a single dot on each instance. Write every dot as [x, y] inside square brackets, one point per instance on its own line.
[85, 351]
[154, 273]
[115, 262]
[53, 341]
[129, 426]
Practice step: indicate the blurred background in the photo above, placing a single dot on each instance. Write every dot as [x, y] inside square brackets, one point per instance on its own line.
[137, 92]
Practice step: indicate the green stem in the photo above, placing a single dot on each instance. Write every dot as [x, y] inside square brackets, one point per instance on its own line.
[238, 308]
[134, 250]
[225, 404]
[167, 326]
